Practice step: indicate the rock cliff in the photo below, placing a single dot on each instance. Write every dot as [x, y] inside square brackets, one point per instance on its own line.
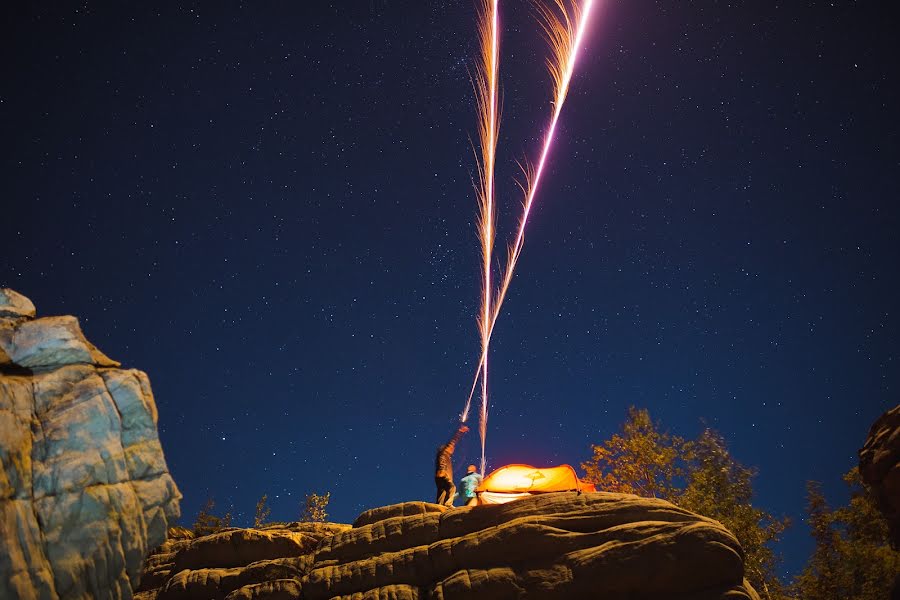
[84, 488]
[879, 466]
[563, 545]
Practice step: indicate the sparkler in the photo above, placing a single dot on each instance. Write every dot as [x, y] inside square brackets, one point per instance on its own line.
[564, 30]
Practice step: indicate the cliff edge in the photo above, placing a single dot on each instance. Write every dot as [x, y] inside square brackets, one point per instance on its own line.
[85, 493]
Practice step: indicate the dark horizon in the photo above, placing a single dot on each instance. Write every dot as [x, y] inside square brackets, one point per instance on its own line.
[269, 210]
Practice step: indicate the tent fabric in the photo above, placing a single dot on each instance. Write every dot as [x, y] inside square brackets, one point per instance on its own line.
[526, 479]
[498, 497]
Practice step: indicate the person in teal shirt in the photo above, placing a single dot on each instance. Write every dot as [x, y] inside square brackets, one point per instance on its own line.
[469, 484]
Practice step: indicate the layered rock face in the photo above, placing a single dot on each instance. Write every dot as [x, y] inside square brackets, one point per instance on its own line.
[235, 563]
[564, 545]
[85, 493]
[879, 466]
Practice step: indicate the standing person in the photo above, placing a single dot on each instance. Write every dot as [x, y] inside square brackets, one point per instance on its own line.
[469, 484]
[443, 469]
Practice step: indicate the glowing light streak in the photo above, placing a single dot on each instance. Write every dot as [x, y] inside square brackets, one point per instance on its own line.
[564, 33]
[486, 328]
[485, 83]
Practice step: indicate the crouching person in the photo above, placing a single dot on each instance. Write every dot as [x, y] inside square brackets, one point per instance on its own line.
[469, 484]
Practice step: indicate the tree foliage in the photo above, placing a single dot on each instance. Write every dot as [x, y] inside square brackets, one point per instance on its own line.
[718, 486]
[853, 559]
[699, 475]
[207, 523]
[262, 511]
[640, 460]
[314, 508]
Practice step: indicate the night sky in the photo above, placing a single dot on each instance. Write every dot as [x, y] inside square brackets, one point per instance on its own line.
[268, 208]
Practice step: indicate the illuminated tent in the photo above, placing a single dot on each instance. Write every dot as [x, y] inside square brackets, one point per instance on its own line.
[517, 481]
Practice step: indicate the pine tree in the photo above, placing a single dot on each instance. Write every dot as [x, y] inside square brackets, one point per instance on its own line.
[207, 523]
[262, 512]
[314, 508]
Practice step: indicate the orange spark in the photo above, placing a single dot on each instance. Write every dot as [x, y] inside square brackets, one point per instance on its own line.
[564, 33]
[486, 95]
[564, 29]
[485, 327]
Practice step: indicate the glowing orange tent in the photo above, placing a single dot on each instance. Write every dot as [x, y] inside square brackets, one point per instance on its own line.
[517, 481]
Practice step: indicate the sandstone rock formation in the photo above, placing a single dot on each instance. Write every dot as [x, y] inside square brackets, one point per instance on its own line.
[250, 562]
[158, 566]
[84, 488]
[564, 545]
[879, 466]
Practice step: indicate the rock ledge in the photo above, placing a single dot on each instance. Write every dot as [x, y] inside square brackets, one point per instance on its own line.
[556, 546]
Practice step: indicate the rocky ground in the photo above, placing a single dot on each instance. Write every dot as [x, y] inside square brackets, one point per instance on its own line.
[563, 545]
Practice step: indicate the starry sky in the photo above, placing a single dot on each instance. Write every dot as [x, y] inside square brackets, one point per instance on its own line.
[268, 208]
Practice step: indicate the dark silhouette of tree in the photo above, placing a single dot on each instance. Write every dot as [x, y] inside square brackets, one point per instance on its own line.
[262, 511]
[853, 559]
[314, 508]
[207, 523]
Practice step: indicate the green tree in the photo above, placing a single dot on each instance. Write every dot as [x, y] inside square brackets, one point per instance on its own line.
[718, 486]
[207, 523]
[639, 460]
[314, 508]
[853, 559]
[262, 511]
[699, 475]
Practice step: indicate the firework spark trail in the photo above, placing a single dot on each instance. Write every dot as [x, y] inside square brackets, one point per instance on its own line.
[486, 93]
[564, 33]
[486, 327]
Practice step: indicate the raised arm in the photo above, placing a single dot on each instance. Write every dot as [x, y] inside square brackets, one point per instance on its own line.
[451, 445]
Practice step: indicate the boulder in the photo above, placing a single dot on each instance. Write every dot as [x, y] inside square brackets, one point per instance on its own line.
[563, 545]
[404, 509]
[218, 582]
[15, 305]
[51, 342]
[158, 567]
[879, 466]
[84, 488]
[240, 547]
[217, 564]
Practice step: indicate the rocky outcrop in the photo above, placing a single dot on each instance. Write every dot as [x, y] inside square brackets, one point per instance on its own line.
[564, 545]
[253, 563]
[158, 566]
[84, 488]
[15, 305]
[879, 466]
